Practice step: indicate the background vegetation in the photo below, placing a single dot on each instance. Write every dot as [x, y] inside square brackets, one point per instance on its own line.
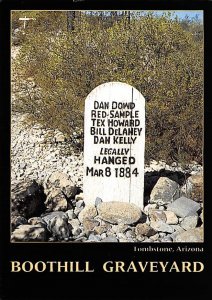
[69, 54]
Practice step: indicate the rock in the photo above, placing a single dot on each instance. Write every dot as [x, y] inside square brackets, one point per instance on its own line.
[166, 239]
[157, 215]
[109, 239]
[79, 197]
[119, 212]
[75, 223]
[191, 235]
[17, 220]
[36, 221]
[56, 201]
[164, 191]
[194, 188]
[171, 218]
[189, 222]
[57, 224]
[120, 228]
[100, 229]
[144, 229]
[149, 207]
[60, 138]
[77, 210]
[89, 225]
[27, 233]
[98, 201]
[94, 238]
[64, 183]
[27, 199]
[161, 226]
[80, 203]
[155, 237]
[70, 213]
[89, 212]
[184, 207]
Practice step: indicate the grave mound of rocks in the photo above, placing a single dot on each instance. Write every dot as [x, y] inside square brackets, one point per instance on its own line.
[56, 212]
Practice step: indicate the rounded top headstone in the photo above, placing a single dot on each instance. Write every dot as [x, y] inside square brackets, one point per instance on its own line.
[114, 138]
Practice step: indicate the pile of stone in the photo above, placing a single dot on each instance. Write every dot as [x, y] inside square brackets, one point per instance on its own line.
[56, 212]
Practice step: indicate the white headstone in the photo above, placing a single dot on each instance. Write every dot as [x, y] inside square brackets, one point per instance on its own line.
[114, 138]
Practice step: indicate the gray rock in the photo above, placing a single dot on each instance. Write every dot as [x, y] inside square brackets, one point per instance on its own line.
[79, 203]
[109, 239]
[161, 226]
[57, 224]
[193, 235]
[119, 212]
[184, 207]
[70, 213]
[89, 212]
[27, 233]
[166, 239]
[94, 238]
[164, 191]
[77, 210]
[98, 201]
[189, 222]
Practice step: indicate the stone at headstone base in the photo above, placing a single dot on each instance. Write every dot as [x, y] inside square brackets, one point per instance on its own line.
[189, 222]
[89, 212]
[79, 197]
[164, 191]
[28, 233]
[193, 188]
[56, 201]
[98, 201]
[89, 225]
[75, 223]
[119, 212]
[171, 218]
[144, 229]
[76, 231]
[193, 235]
[27, 199]
[157, 215]
[161, 226]
[63, 182]
[109, 239]
[184, 207]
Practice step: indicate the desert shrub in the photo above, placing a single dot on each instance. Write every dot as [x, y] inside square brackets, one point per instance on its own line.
[163, 60]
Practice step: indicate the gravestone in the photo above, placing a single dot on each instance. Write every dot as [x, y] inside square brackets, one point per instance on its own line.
[114, 138]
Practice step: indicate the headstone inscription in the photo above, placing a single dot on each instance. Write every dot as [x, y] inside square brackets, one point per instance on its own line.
[114, 138]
